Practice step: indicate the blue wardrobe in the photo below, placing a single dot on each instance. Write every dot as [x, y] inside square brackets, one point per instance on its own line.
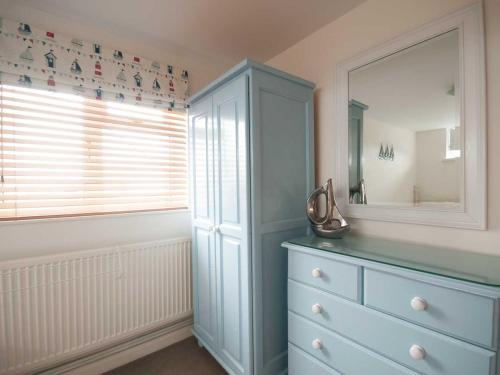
[251, 148]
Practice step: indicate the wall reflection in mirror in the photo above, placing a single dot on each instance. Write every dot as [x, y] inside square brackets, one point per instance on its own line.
[405, 138]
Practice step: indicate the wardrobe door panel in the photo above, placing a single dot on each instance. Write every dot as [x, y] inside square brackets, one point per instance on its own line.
[205, 292]
[203, 217]
[202, 166]
[231, 340]
[231, 223]
[229, 156]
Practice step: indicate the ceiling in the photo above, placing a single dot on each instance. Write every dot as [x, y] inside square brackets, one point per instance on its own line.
[229, 30]
[411, 89]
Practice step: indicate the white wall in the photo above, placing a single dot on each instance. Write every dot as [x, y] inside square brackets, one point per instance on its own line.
[41, 237]
[438, 178]
[371, 24]
[388, 182]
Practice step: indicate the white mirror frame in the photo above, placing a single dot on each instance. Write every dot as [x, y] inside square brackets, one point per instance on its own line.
[472, 213]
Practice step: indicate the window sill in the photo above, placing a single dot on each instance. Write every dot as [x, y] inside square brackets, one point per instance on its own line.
[93, 217]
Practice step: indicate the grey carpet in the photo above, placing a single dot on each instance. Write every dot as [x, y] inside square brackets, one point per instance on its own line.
[183, 358]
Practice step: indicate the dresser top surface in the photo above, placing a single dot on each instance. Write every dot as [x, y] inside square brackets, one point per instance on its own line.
[461, 265]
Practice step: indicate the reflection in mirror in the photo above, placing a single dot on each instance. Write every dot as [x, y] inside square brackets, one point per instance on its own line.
[405, 138]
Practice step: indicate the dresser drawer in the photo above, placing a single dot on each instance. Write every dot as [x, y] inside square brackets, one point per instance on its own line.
[300, 363]
[338, 352]
[460, 314]
[336, 277]
[389, 336]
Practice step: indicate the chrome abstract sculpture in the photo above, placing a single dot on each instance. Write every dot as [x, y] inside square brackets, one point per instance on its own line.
[332, 224]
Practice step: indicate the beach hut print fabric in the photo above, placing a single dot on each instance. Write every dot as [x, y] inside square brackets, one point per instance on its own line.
[44, 59]
[26, 55]
[50, 59]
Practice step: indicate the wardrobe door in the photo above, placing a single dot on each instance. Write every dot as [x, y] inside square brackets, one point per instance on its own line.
[203, 216]
[231, 225]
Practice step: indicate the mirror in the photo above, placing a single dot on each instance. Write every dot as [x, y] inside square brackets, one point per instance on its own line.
[404, 127]
[410, 127]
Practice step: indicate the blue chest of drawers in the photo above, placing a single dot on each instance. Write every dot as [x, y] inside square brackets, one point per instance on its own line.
[363, 306]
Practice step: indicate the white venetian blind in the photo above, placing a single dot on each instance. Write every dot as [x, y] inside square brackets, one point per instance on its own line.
[64, 155]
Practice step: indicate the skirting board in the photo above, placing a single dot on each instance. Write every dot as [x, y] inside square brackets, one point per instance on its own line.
[126, 352]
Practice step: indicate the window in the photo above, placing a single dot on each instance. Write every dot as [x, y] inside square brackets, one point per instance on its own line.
[65, 155]
[453, 143]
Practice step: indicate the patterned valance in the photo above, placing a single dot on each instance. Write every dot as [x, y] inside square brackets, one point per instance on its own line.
[45, 59]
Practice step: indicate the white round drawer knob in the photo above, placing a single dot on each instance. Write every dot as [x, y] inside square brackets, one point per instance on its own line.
[316, 272]
[417, 352]
[316, 308]
[418, 304]
[317, 344]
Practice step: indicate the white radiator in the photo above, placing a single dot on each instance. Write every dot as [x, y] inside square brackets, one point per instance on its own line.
[55, 308]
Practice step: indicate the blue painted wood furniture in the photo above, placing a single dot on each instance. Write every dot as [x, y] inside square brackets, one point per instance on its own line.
[364, 306]
[251, 168]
